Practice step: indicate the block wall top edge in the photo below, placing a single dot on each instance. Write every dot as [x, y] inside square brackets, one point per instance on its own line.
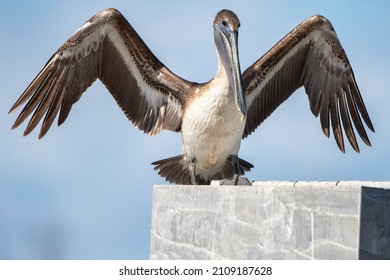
[352, 184]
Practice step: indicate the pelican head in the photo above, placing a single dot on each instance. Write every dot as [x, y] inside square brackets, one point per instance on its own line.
[226, 26]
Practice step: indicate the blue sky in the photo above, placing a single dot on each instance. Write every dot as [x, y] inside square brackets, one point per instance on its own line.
[85, 190]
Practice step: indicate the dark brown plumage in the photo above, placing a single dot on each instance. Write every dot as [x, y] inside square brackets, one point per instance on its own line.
[310, 56]
[153, 98]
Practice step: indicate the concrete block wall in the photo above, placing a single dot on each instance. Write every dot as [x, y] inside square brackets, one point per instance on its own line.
[272, 220]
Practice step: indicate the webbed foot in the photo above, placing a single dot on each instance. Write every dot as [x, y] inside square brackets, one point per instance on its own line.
[236, 181]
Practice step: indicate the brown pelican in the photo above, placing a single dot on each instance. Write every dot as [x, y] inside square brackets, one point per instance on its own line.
[213, 117]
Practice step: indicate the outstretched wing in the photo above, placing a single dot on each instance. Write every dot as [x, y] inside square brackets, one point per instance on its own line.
[310, 56]
[108, 48]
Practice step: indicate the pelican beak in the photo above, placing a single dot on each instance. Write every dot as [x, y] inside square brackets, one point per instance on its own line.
[227, 46]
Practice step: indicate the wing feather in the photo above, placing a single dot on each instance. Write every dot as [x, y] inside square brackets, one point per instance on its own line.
[106, 48]
[310, 56]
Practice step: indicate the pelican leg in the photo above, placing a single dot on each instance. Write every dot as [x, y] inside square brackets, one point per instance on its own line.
[192, 170]
[236, 180]
[236, 164]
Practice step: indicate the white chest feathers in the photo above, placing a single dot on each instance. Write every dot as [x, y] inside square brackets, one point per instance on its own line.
[212, 128]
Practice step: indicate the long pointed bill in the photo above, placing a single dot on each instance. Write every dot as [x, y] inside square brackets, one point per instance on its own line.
[235, 80]
[228, 49]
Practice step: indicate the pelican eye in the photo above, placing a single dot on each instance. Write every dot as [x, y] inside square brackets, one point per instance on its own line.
[224, 22]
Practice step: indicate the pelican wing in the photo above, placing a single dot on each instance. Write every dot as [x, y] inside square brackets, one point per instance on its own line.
[108, 48]
[310, 56]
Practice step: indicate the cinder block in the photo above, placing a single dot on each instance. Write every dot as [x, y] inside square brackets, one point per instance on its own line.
[272, 220]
